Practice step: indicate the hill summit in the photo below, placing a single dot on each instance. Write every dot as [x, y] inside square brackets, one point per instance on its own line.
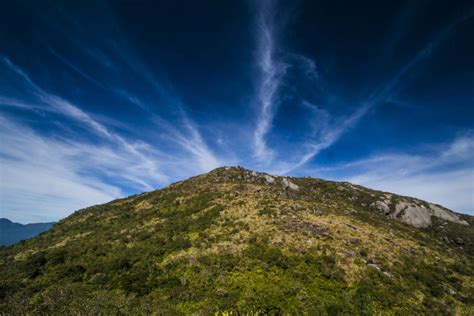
[240, 241]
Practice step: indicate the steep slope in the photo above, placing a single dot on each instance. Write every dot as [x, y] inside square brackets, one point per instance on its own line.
[238, 240]
[11, 232]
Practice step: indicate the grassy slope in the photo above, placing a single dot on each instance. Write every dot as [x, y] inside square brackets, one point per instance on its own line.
[228, 241]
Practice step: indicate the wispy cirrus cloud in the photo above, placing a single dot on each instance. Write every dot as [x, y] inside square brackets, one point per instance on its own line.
[61, 106]
[190, 138]
[386, 90]
[57, 175]
[62, 157]
[272, 70]
[43, 179]
[325, 132]
[337, 127]
[191, 141]
[329, 132]
[118, 57]
[308, 66]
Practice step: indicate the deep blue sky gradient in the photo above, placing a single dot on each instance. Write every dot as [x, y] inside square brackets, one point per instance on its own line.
[103, 99]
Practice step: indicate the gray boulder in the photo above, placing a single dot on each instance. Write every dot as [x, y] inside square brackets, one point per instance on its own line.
[287, 184]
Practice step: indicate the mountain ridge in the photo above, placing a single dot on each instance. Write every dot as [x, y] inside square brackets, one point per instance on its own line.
[236, 240]
[11, 232]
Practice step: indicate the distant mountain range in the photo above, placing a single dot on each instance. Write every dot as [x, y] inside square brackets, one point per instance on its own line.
[236, 241]
[11, 232]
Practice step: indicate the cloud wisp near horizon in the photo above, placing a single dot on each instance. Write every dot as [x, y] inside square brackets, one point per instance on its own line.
[102, 110]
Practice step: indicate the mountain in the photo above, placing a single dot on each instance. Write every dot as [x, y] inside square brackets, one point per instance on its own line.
[239, 241]
[11, 232]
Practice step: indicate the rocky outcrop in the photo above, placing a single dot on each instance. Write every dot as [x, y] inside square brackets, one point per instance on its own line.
[382, 206]
[408, 210]
[415, 213]
[269, 179]
[287, 184]
[412, 214]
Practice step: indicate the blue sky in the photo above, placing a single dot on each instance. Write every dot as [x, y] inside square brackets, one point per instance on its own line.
[101, 100]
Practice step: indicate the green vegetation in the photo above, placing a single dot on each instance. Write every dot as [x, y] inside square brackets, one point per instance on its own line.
[228, 241]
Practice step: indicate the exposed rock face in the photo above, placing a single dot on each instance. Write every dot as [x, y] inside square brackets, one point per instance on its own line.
[416, 214]
[287, 184]
[382, 206]
[269, 179]
[407, 210]
[446, 215]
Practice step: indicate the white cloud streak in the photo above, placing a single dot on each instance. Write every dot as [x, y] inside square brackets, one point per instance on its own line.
[47, 177]
[308, 65]
[328, 135]
[331, 135]
[43, 178]
[64, 107]
[191, 140]
[271, 72]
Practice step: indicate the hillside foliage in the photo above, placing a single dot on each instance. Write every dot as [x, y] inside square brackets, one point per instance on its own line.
[231, 241]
